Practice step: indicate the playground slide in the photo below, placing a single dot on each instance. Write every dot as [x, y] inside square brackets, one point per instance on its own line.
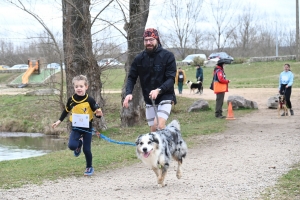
[27, 74]
[32, 66]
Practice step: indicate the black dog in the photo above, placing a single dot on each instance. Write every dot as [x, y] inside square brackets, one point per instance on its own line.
[195, 86]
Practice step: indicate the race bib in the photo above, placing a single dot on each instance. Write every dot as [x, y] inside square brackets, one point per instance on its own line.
[181, 76]
[81, 120]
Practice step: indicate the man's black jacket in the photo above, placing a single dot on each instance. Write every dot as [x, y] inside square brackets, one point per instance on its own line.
[155, 70]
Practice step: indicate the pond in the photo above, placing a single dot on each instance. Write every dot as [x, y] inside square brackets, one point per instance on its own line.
[24, 145]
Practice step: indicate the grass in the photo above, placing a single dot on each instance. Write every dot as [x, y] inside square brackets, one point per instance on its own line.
[35, 114]
[253, 75]
[287, 188]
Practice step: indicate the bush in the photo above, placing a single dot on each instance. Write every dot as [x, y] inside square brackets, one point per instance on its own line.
[198, 61]
[240, 60]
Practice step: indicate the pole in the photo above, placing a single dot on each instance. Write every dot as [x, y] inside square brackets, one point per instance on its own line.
[276, 41]
[297, 31]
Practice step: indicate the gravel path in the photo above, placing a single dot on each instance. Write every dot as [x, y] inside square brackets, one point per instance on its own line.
[237, 164]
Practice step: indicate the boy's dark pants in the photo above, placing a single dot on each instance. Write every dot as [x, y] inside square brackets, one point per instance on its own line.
[87, 140]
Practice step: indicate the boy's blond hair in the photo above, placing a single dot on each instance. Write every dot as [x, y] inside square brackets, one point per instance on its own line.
[81, 78]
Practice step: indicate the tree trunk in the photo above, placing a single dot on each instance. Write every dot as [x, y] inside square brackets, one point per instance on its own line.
[138, 11]
[79, 57]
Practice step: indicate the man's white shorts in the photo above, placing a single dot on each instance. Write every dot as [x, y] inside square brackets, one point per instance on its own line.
[163, 110]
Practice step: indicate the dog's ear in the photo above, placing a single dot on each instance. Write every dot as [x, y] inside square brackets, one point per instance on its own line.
[137, 141]
[154, 138]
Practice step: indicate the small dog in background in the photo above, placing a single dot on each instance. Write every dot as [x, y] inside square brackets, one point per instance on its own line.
[156, 150]
[195, 86]
[282, 105]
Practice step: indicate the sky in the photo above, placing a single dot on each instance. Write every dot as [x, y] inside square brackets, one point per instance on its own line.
[17, 25]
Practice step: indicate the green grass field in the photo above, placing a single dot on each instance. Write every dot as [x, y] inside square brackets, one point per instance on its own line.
[254, 75]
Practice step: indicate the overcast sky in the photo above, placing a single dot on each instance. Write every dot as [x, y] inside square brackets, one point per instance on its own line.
[17, 25]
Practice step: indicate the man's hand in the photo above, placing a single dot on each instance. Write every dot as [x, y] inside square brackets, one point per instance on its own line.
[126, 100]
[153, 94]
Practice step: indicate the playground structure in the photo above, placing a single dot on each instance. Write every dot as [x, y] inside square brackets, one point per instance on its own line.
[33, 67]
[36, 74]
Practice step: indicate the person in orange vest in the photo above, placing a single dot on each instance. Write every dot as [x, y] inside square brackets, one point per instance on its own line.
[220, 86]
[180, 78]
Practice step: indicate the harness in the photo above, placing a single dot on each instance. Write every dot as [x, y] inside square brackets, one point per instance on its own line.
[281, 103]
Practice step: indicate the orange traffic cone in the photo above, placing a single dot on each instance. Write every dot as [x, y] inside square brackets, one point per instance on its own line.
[230, 112]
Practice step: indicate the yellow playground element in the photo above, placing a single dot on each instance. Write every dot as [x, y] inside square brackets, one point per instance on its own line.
[33, 67]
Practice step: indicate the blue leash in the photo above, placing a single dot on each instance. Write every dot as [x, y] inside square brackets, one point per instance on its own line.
[104, 137]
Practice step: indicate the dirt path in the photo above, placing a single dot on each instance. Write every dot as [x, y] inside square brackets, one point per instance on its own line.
[237, 164]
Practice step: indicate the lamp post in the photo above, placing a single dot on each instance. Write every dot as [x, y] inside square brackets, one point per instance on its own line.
[297, 31]
[276, 40]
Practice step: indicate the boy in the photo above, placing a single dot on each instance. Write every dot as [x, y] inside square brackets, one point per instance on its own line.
[82, 108]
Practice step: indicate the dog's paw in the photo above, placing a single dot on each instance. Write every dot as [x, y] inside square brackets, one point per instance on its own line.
[178, 175]
[161, 185]
[160, 182]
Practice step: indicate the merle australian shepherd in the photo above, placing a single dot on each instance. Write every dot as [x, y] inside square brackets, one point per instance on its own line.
[195, 87]
[156, 150]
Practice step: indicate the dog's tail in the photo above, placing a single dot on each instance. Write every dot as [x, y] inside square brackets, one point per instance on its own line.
[175, 124]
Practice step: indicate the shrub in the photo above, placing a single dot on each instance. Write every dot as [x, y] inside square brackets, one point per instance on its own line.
[240, 60]
[198, 61]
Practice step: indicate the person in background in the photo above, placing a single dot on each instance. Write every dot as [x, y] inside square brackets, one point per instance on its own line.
[219, 77]
[83, 106]
[199, 74]
[286, 79]
[180, 79]
[156, 69]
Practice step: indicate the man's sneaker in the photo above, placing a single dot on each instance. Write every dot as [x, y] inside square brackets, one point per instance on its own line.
[89, 171]
[292, 112]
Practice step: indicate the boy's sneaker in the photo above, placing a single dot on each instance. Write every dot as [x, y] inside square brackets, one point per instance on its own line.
[77, 151]
[89, 171]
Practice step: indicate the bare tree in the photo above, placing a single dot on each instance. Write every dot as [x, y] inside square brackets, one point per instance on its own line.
[223, 24]
[246, 32]
[138, 15]
[184, 17]
[79, 57]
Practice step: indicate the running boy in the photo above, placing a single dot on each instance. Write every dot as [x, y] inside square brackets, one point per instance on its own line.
[82, 108]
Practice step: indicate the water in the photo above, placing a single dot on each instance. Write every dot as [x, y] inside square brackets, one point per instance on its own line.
[24, 145]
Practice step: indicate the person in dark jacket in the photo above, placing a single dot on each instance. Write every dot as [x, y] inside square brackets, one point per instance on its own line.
[156, 69]
[199, 73]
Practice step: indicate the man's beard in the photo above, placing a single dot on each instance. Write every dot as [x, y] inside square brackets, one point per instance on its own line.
[150, 48]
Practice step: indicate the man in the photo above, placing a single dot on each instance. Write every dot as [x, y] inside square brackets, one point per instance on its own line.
[220, 86]
[199, 73]
[156, 69]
